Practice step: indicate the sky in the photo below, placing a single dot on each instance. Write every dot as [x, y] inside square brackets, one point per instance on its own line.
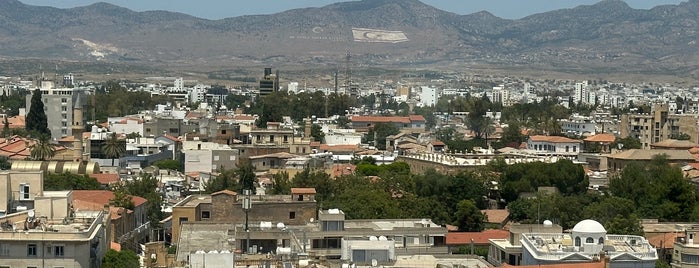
[218, 9]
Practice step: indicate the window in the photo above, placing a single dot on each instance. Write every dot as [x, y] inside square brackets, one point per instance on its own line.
[286, 139]
[31, 250]
[205, 214]
[183, 219]
[64, 100]
[174, 130]
[223, 132]
[601, 240]
[577, 241]
[590, 240]
[271, 138]
[4, 250]
[216, 157]
[58, 251]
[24, 191]
[292, 215]
[575, 148]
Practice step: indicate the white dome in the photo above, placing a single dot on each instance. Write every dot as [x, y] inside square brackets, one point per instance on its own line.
[589, 226]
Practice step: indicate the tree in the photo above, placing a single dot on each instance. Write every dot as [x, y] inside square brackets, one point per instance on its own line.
[680, 136]
[468, 217]
[377, 135]
[627, 143]
[224, 181]
[169, 164]
[42, 149]
[120, 259]
[146, 186]
[69, 181]
[113, 147]
[343, 122]
[317, 133]
[36, 121]
[281, 183]
[246, 176]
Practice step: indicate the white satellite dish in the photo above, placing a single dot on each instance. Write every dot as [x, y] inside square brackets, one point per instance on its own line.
[30, 213]
[311, 220]
[374, 263]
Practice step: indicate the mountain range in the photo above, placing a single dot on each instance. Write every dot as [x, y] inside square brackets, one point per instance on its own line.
[608, 36]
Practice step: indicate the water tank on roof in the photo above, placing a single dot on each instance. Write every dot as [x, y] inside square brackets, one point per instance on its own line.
[373, 238]
[548, 223]
[281, 225]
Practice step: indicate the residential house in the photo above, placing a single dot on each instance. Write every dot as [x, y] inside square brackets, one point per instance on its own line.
[128, 227]
[208, 156]
[554, 145]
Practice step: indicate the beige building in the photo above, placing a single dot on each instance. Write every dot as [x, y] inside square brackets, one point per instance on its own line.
[42, 229]
[658, 126]
[686, 252]
[227, 206]
[19, 190]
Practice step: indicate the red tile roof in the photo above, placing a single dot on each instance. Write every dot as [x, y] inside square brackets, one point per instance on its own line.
[106, 178]
[603, 137]
[416, 117]
[496, 215]
[479, 238]
[18, 121]
[382, 119]
[226, 192]
[303, 190]
[96, 199]
[664, 240]
[553, 139]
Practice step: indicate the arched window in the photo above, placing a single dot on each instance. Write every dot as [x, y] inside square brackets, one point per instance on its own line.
[601, 240]
[577, 241]
[590, 240]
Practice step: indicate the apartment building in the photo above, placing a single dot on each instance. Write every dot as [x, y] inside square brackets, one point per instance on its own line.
[659, 125]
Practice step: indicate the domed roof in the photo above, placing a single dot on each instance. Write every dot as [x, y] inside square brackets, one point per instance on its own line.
[589, 226]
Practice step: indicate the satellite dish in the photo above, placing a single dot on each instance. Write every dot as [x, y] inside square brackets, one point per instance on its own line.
[280, 225]
[374, 263]
[30, 214]
[311, 220]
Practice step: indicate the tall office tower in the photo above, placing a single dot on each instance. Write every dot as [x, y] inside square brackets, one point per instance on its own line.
[269, 82]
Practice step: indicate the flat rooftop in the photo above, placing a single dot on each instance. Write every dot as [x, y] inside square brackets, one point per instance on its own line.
[557, 245]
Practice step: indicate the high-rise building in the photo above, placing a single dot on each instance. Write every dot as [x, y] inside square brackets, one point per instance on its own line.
[59, 106]
[269, 82]
[658, 126]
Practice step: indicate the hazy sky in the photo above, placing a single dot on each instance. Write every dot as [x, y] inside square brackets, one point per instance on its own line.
[217, 9]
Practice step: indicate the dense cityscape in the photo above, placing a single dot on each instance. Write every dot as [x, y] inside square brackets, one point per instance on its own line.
[346, 165]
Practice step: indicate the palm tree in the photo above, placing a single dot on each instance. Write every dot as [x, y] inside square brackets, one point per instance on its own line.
[113, 148]
[42, 149]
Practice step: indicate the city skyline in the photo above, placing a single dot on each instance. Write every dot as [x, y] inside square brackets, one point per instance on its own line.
[218, 9]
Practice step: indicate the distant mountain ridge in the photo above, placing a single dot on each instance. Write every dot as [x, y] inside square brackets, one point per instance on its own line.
[607, 36]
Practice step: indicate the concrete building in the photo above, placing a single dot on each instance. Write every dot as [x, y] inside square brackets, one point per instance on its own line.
[508, 251]
[208, 156]
[658, 126]
[686, 252]
[617, 161]
[555, 145]
[429, 96]
[226, 206]
[41, 229]
[587, 242]
[59, 105]
[269, 82]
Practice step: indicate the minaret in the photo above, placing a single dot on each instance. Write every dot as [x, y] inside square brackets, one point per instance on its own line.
[77, 127]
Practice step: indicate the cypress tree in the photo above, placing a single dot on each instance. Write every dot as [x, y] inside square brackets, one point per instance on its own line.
[36, 121]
